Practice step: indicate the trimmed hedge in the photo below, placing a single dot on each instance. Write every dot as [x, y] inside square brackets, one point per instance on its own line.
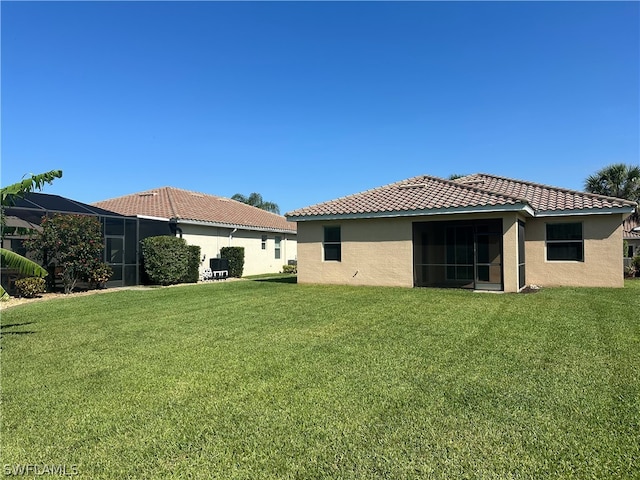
[166, 259]
[193, 272]
[235, 255]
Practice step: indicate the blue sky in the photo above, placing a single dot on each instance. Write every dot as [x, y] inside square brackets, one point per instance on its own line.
[308, 101]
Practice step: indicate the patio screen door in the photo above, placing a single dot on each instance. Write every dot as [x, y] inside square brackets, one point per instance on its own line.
[458, 254]
[488, 265]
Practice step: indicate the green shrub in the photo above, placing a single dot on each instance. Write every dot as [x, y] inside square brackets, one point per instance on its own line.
[100, 274]
[30, 287]
[289, 269]
[235, 255]
[165, 259]
[635, 264]
[193, 268]
[71, 243]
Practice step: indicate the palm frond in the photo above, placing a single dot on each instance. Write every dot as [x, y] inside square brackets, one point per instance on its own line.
[33, 182]
[25, 266]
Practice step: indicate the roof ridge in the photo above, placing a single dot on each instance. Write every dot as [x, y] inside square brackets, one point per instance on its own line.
[551, 187]
[481, 190]
[196, 192]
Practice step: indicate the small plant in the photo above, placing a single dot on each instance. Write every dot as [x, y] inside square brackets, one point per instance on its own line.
[30, 287]
[290, 269]
[100, 275]
[635, 266]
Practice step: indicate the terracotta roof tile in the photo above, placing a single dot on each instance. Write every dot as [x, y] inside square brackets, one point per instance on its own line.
[169, 202]
[628, 228]
[424, 193]
[414, 194]
[545, 198]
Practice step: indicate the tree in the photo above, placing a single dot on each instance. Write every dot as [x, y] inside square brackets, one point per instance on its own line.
[256, 200]
[11, 259]
[616, 180]
[73, 243]
[455, 176]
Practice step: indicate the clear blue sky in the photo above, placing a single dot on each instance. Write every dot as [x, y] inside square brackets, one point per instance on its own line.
[309, 101]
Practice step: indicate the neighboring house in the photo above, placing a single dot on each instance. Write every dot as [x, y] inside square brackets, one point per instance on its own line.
[214, 222]
[480, 231]
[122, 233]
[631, 235]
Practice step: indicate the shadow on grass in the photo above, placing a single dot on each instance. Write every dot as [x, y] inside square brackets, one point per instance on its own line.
[277, 280]
[3, 329]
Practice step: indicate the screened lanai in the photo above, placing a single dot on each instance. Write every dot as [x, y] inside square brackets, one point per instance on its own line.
[459, 254]
[121, 234]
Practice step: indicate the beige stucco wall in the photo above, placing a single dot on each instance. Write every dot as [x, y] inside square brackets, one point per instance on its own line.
[603, 261]
[374, 252]
[380, 252]
[256, 260]
[510, 252]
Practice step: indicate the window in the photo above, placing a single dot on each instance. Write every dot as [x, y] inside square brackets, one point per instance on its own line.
[264, 242]
[332, 245]
[564, 242]
[278, 240]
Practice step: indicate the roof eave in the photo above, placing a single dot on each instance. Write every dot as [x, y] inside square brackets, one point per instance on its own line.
[255, 228]
[585, 211]
[418, 213]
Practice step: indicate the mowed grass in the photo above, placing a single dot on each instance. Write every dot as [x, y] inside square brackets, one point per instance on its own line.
[269, 379]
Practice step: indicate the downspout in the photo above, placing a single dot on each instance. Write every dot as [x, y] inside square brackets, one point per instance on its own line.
[231, 235]
[173, 226]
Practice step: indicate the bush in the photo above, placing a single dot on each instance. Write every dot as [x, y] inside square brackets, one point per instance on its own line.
[635, 264]
[165, 259]
[100, 274]
[30, 287]
[193, 268]
[289, 269]
[71, 243]
[235, 255]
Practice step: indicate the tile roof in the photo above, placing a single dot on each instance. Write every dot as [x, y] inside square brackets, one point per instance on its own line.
[185, 205]
[481, 192]
[545, 198]
[628, 226]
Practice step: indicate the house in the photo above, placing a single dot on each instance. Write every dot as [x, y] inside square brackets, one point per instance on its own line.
[122, 234]
[631, 235]
[213, 222]
[482, 232]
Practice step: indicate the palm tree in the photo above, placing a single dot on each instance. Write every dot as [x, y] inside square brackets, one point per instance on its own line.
[9, 259]
[617, 180]
[255, 200]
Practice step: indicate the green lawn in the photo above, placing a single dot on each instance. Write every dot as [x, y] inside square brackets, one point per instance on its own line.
[270, 379]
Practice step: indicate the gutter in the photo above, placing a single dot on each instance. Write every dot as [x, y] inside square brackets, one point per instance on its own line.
[202, 223]
[237, 226]
[417, 213]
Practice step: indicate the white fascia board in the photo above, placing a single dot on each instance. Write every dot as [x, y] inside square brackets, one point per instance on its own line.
[420, 213]
[202, 223]
[149, 217]
[586, 211]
